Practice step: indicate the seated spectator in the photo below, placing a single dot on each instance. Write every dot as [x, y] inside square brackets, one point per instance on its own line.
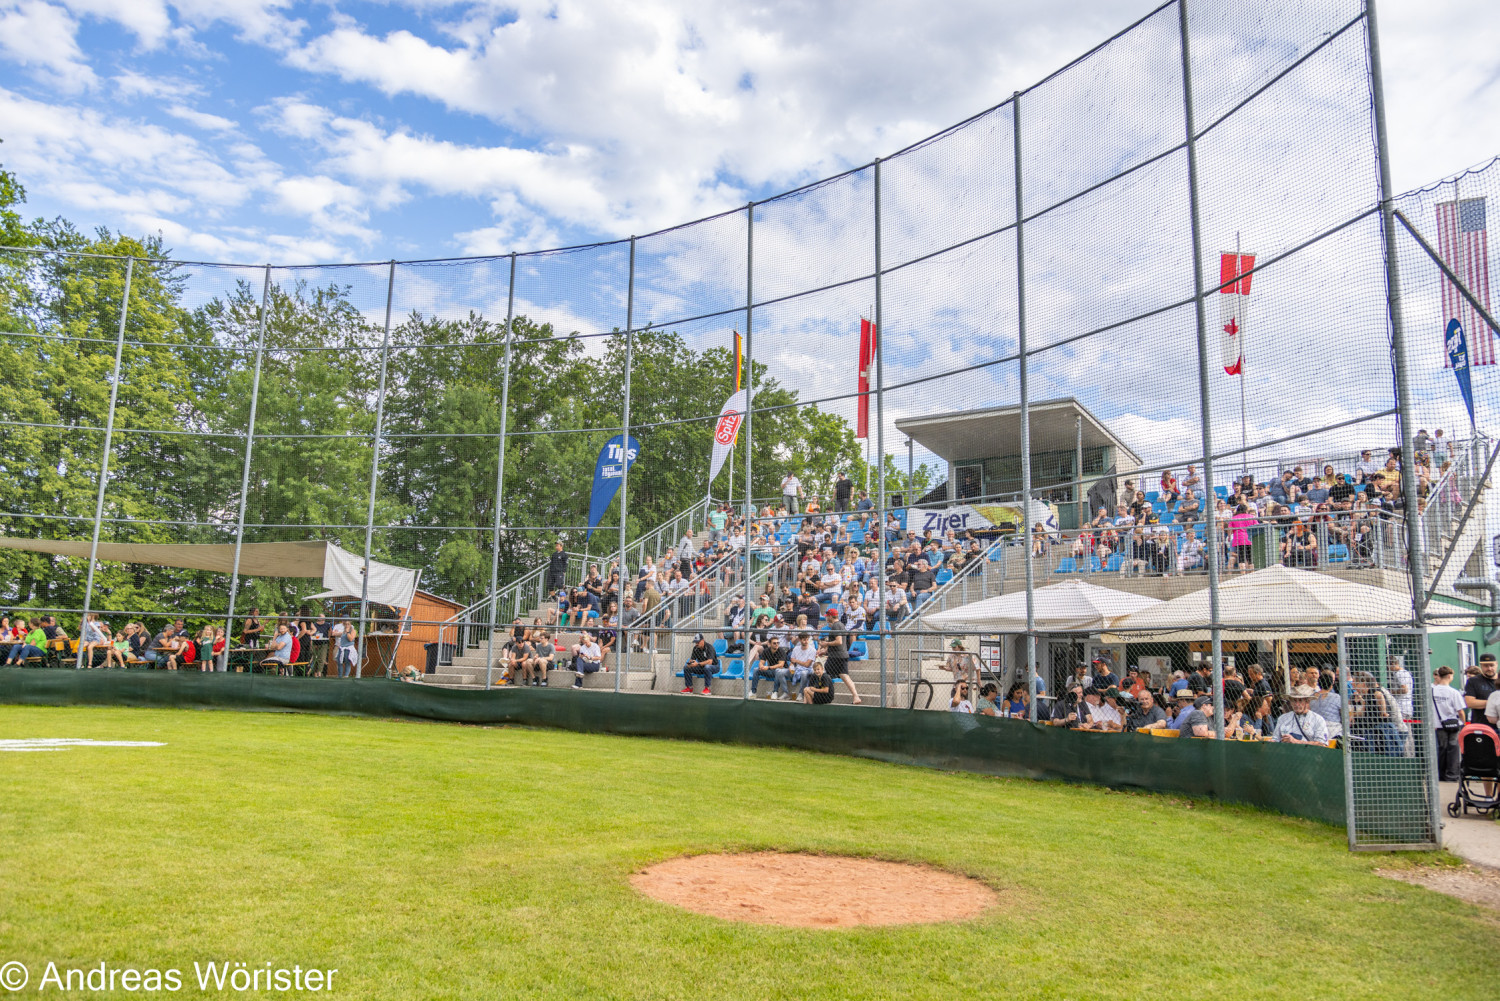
[923, 584]
[772, 666]
[588, 657]
[960, 703]
[1196, 719]
[1102, 714]
[800, 660]
[278, 660]
[1145, 714]
[1256, 715]
[702, 661]
[93, 637]
[989, 701]
[519, 658]
[1066, 711]
[1301, 725]
[1319, 492]
[818, 690]
[1170, 492]
[32, 643]
[1018, 703]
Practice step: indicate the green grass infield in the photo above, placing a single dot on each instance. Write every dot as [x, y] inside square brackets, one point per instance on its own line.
[439, 861]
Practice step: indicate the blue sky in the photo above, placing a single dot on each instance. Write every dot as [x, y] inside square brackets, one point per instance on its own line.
[259, 129]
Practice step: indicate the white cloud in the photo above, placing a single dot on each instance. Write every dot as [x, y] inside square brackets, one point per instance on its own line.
[41, 36]
[201, 119]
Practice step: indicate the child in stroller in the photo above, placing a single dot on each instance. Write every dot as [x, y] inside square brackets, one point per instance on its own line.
[1479, 771]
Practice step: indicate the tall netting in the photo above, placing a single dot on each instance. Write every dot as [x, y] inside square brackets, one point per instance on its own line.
[1119, 373]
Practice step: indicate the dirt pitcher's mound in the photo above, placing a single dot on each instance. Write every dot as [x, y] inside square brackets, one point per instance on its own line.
[814, 891]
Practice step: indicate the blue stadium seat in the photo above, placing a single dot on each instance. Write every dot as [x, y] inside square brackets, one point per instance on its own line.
[720, 646]
[944, 576]
[1094, 566]
[1067, 565]
[1222, 492]
[1338, 553]
[1116, 561]
[997, 553]
[732, 669]
[857, 536]
[859, 651]
[1152, 496]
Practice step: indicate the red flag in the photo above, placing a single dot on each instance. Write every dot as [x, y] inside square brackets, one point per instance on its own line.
[866, 365]
[1232, 298]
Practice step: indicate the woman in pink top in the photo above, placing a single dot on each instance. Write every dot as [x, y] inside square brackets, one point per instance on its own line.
[1239, 537]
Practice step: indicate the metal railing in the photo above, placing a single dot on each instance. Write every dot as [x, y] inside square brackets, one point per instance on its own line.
[974, 581]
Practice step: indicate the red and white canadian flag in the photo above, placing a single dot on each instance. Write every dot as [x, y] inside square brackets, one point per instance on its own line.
[1234, 295]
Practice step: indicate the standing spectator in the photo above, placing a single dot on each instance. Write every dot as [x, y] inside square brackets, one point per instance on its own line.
[1442, 451]
[557, 569]
[702, 660]
[1192, 484]
[1398, 681]
[843, 490]
[1479, 688]
[1329, 705]
[791, 490]
[1447, 720]
[835, 649]
[1239, 538]
[252, 630]
[346, 646]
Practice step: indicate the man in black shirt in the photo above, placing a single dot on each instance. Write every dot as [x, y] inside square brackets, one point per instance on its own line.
[1104, 678]
[836, 659]
[701, 661]
[843, 489]
[557, 568]
[772, 657]
[923, 584]
[1478, 688]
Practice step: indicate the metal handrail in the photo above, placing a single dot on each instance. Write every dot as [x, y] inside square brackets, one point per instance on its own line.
[959, 582]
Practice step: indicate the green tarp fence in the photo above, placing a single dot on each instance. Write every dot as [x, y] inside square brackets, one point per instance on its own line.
[1300, 781]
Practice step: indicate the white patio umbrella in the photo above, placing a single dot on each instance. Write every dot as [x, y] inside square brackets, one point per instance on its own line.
[1278, 602]
[1072, 606]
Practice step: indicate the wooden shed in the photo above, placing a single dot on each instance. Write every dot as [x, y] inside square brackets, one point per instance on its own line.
[421, 627]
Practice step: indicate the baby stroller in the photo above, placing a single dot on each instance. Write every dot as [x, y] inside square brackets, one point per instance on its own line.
[1478, 762]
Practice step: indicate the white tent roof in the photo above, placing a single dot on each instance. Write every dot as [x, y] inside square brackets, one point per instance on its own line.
[341, 571]
[1073, 606]
[1277, 601]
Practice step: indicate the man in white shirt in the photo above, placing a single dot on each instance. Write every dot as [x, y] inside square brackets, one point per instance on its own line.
[791, 489]
[1301, 725]
[799, 664]
[1366, 467]
[587, 656]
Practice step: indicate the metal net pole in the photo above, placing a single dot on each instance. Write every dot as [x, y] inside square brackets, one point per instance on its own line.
[1398, 334]
[109, 434]
[1015, 108]
[880, 435]
[364, 584]
[625, 459]
[239, 523]
[749, 383]
[1205, 412]
[510, 312]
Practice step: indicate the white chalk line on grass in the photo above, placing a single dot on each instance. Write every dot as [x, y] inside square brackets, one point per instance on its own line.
[63, 743]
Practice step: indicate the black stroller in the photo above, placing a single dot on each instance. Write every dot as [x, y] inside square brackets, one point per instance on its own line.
[1478, 762]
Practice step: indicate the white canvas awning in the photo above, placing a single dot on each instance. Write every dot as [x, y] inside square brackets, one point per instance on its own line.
[1072, 606]
[1278, 602]
[341, 571]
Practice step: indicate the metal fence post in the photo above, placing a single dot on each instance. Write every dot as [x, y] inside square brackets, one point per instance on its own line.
[749, 385]
[625, 462]
[239, 524]
[364, 584]
[1205, 411]
[1414, 561]
[1015, 130]
[884, 632]
[109, 434]
[489, 657]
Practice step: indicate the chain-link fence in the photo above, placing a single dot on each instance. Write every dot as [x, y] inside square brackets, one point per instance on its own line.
[1151, 324]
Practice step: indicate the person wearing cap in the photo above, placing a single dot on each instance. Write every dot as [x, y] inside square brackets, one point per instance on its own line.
[702, 660]
[835, 651]
[1104, 712]
[771, 664]
[960, 663]
[1301, 725]
[1104, 675]
[1196, 718]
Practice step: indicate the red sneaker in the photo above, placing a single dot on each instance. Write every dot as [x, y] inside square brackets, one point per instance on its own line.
[687, 691]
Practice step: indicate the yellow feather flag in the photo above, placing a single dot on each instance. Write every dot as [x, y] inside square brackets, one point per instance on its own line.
[739, 359]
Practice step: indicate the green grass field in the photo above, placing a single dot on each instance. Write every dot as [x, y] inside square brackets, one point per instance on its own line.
[435, 861]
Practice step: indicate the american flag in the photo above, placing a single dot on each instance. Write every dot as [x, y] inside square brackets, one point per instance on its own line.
[1463, 245]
